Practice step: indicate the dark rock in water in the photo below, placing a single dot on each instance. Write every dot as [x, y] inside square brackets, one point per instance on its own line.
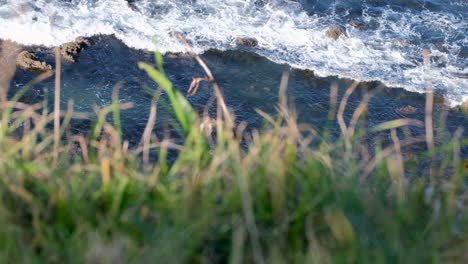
[441, 47]
[335, 32]
[248, 42]
[407, 110]
[131, 5]
[261, 3]
[28, 60]
[357, 24]
[308, 73]
[176, 34]
[71, 49]
[463, 52]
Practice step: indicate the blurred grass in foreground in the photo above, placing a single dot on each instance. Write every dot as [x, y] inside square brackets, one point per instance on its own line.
[281, 199]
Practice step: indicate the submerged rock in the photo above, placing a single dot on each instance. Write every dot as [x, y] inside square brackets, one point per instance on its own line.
[71, 49]
[357, 24]
[407, 110]
[178, 55]
[245, 41]
[28, 60]
[335, 31]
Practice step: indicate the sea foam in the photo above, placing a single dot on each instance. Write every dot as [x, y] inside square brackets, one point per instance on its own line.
[390, 50]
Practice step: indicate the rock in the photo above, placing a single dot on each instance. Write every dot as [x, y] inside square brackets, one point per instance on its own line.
[71, 49]
[28, 60]
[463, 52]
[176, 34]
[248, 42]
[401, 42]
[407, 110]
[441, 47]
[131, 5]
[335, 32]
[178, 55]
[357, 24]
[261, 3]
[308, 73]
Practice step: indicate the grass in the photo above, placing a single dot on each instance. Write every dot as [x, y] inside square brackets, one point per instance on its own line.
[284, 194]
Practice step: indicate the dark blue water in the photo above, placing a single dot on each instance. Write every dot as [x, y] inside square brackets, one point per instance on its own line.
[249, 82]
[354, 8]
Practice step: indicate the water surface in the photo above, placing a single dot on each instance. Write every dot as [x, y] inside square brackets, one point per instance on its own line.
[291, 32]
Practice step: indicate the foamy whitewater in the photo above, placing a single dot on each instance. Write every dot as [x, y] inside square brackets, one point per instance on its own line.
[291, 32]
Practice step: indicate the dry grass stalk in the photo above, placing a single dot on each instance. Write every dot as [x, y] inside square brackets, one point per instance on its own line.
[340, 115]
[333, 101]
[146, 137]
[58, 67]
[283, 99]
[83, 147]
[396, 167]
[8, 52]
[362, 107]
[342, 107]
[195, 84]
[385, 153]
[429, 108]
[210, 78]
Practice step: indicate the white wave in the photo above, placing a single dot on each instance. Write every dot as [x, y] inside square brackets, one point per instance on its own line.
[285, 33]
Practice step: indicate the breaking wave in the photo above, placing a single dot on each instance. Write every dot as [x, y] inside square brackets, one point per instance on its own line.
[389, 50]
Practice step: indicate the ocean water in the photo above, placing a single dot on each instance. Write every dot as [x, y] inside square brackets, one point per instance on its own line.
[288, 32]
[249, 82]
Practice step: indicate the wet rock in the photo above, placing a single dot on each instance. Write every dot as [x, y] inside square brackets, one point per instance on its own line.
[441, 47]
[463, 52]
[335, 31]
[261, 3]
[401, 42]
[131, 5]
[178, 55]
[357, 24]
[308, 73]
[176, 34]
[71, 49]
[407, 110]
[248, 42]
[28, 60]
